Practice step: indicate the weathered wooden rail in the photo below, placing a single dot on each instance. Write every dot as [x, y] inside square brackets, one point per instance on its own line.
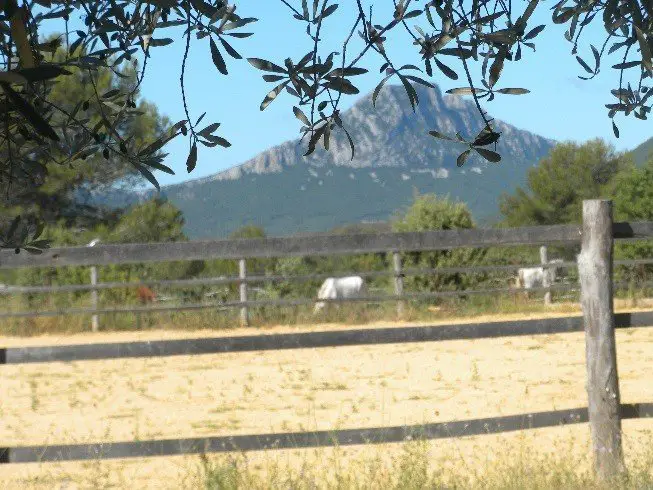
[599, 322]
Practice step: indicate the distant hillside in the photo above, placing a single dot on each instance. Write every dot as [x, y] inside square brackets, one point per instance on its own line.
[287, 194]
[643, 151]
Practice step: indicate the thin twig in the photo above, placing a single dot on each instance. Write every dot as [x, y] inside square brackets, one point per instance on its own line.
[183, 71]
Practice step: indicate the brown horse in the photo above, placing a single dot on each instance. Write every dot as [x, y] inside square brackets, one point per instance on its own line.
[145, 295]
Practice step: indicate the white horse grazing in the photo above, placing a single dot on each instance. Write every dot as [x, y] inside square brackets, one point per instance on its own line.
[340, 287]
[533, 277]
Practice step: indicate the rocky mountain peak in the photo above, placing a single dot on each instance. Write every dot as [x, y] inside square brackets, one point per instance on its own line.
[392, 135]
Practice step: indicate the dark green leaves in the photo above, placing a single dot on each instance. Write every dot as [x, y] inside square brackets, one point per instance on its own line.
[460, 161]
[533, 33]
[342, 85]
[160, 42]
[24, 233]
[301, 116]
[328, 11]
[229, 49]
[489, 155]
[495, 69]
[626, 65]
[347, 72]
[32, 116]
[273, 94]
[645, 48]
[265, 65]
[208, 139]
[191, 161]
[378, 88]
[218, 60]
[463, 91]
[562, 16]
[410, 91]
[512, 91]
[42, 72]
[485, 137]
[445, 69]
[615, 129]
[145, 172]
[584, 65]
[209, 129]
[441, 136]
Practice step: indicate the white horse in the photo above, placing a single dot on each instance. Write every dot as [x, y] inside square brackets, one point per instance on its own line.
[340, 287]
[533, 277]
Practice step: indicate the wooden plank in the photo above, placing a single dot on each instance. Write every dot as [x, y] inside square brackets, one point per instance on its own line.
[247, 343]
[309, 340]
[314, 245]
[595, 269]
[294, 440]
[292, 246]
[638, 230]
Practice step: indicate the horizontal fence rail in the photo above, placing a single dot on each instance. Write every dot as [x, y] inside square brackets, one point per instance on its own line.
[281, 302]
[295, 440]
[302, 301]
[334, 338]
[181, 283]
[254, 279]
[293, 246]
[319, 245]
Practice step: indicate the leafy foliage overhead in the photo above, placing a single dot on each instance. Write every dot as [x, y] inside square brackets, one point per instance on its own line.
[104, 34]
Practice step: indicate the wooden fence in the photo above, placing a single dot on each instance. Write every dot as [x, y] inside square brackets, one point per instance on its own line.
[244, 249]
[599, 322]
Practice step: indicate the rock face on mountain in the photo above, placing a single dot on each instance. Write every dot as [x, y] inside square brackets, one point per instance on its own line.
[392, 135]
[395, 157]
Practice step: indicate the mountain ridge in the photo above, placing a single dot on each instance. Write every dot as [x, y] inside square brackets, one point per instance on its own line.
[395, 157]
[362, 113]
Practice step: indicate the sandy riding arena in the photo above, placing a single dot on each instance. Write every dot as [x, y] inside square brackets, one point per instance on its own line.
[299, 390]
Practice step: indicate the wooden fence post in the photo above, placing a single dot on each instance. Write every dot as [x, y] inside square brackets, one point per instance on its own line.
[94, 319]
[546, 277]
[242, 274]
[399, 282]
[595, 266]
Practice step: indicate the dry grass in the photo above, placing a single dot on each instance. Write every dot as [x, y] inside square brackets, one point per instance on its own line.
[318, 389]
[262, 317]
[519, 463]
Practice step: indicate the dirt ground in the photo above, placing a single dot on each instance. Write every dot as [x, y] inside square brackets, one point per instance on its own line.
[298, 390]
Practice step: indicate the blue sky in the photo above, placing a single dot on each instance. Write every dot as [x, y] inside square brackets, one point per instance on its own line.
[560, 106]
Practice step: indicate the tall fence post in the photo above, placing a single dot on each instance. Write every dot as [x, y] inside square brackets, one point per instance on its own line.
[94, 319]
[399, 282]
[546, 277]
[242, 274]
[95, 326]
[595, 266]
